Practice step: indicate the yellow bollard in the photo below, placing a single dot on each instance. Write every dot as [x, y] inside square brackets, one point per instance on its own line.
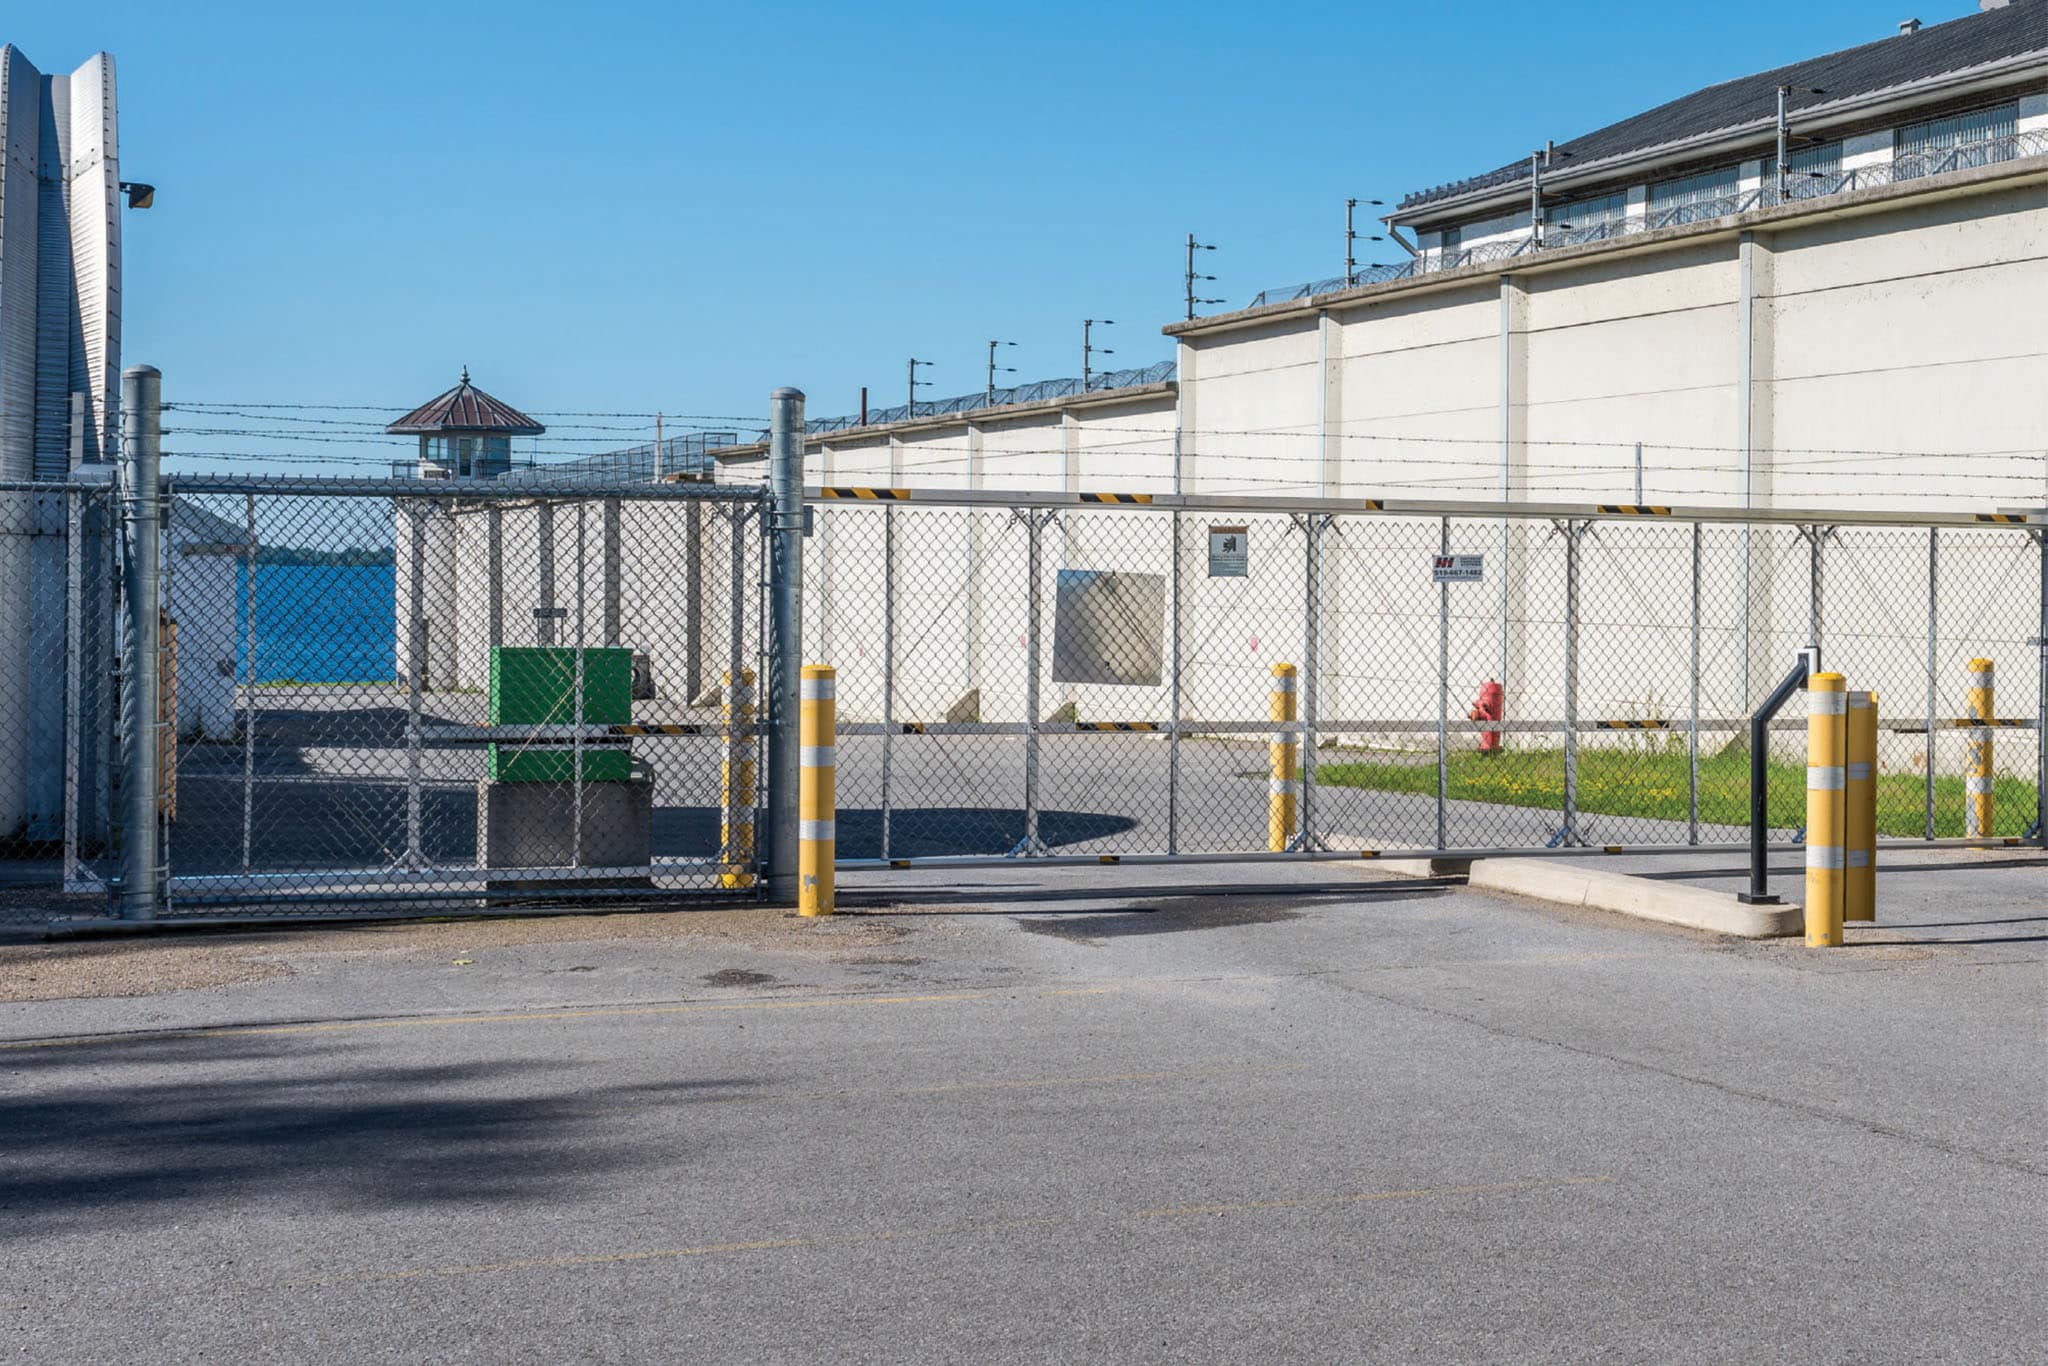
[1978, 805]
[1283, 786]
[736, 784]
[1859, 790]
[816, 791]
[1826, 742]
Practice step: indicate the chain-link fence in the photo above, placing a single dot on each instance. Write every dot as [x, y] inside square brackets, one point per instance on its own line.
[384, 693]
[392, 693]
[58, 704]
[1050, 677]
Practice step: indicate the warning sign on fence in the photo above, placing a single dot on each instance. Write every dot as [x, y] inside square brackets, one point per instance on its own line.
[1229, 552]
[1458, 568]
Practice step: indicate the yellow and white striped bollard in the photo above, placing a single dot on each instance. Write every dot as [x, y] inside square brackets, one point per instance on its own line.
[1827, 715]
[736, 784]
[1979, 805]
[1283, 786]
[1859, 790]
[816, 791]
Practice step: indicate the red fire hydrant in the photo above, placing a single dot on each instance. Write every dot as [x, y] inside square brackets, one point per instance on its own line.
[1489, 707]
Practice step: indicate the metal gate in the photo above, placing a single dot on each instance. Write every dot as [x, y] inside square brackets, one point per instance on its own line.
[412, 692]
[1101, 677]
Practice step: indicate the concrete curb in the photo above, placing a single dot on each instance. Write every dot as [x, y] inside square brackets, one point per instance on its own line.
[1570, 883]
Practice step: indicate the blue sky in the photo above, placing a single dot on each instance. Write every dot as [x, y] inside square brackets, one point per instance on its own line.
[631, 206]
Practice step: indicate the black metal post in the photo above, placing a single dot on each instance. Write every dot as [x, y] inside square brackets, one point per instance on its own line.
[1759, 893]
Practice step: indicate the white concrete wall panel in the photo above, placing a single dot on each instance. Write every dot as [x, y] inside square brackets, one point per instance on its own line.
[1257, 411]
[1028, 453]
[1127, 448]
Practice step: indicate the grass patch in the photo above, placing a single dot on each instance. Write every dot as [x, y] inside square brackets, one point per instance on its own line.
[1614, 782]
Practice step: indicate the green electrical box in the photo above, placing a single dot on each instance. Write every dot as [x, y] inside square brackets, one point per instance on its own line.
[536, 686]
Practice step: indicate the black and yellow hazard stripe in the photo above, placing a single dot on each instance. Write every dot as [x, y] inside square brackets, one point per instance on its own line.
[1117, 725]
[1632, 725]
[869, 495]
[1116, 497]
[1635, 510]
[2002, 518]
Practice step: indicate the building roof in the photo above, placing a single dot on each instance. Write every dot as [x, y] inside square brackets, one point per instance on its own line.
[195, 524]
[465, 408]
[1959, 45]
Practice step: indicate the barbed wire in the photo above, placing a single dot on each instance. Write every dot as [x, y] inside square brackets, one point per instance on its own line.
[682, 416]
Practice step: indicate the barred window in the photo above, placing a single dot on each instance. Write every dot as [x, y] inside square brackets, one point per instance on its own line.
[1978, 138]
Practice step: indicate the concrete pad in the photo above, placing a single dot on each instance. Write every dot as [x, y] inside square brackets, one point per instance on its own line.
[1572, 883]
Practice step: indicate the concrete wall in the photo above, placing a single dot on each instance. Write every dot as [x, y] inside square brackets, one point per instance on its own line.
[1873, 349]
[1876, 354]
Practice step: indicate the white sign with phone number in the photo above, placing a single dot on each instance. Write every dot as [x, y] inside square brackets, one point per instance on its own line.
[1458, 568]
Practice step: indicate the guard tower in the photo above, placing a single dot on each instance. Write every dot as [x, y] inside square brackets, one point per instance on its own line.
[465, 433]
[465, 436]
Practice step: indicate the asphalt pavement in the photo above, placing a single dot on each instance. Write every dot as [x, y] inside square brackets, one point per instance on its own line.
[1125, 1113]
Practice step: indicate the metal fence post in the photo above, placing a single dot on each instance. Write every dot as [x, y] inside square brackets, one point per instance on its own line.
[1443, 693]
[1569, 834]
[1933, 599]
[576, 704]
[693, 601]
[1692, 739]
[74, 658]
[2041, 705]
[786, 588]
[1814, 570]
[249, 678]
[141, 451]
[1312, 661]
[415, 675]
[888, 665]
[1033, 559]
[1173, 700]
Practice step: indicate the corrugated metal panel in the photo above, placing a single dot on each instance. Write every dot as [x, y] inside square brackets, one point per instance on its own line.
[55, 328]
[20, 154]
[92, 192]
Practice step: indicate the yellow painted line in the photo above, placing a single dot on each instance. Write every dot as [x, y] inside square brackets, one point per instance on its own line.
[1368, 1197]
[998, 1084]
[660, 1254]
[572, 1261]
[510, 1017]
[1102, 1079]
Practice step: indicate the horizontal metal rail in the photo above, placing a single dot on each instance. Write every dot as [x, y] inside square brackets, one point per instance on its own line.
[483, 732]
[480, 733]
[460, 879]
[1428, 507]
[1734, 847]
[1324, 726]
[463, 490]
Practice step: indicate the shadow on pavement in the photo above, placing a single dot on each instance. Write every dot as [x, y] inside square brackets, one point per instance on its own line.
[108, 1132]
